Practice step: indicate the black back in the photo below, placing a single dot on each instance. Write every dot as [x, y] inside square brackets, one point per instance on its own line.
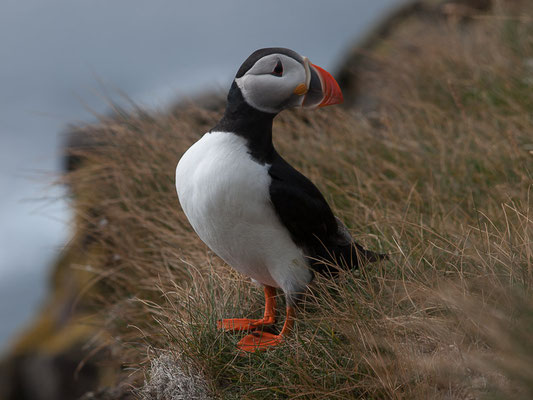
[311, 223]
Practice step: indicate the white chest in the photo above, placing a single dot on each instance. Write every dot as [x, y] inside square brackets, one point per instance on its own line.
[225, 195]
[219, 185]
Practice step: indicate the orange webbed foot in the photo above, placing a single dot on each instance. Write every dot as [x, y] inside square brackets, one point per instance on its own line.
[259, 341]
[243, 324]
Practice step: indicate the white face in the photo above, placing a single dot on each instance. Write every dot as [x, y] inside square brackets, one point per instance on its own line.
[270, 84]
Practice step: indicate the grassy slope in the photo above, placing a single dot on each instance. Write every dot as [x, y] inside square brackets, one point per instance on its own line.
[440, 177]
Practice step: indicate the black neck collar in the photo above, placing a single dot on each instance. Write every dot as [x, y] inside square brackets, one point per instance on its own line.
[254, 125]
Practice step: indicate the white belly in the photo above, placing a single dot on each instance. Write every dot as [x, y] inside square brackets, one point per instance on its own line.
[225, 195]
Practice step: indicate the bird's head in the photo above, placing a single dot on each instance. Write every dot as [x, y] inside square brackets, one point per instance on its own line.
[273, 79]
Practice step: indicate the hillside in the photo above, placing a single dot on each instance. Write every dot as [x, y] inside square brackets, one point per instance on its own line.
[430, 161]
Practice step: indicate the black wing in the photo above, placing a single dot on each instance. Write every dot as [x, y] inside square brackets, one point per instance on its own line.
[310, 221]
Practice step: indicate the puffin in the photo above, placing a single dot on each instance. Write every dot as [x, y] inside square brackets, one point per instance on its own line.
[251, 207]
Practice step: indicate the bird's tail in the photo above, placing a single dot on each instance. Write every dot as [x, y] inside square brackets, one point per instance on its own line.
[342, 252]
[346, 256]
[363, 255]
[353, 254]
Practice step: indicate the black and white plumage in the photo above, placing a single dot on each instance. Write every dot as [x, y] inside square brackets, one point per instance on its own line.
[254, 210]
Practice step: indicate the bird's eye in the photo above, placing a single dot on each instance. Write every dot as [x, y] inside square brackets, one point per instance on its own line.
[278, 69]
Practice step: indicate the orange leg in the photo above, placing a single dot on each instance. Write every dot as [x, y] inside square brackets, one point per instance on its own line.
[245, 324]
[258, 340]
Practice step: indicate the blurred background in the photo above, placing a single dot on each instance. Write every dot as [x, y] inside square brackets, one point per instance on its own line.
[61, 62]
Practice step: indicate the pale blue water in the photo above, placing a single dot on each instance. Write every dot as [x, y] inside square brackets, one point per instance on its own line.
[59, 57]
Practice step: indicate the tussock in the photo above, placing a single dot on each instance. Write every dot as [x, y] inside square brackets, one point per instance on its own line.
[168, 380]
[439, 177]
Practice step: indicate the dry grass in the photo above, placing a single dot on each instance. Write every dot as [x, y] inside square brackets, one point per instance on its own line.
[440, 178]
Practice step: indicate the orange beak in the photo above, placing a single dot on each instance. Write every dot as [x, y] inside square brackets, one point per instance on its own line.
[330, 88]
[323, 89]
